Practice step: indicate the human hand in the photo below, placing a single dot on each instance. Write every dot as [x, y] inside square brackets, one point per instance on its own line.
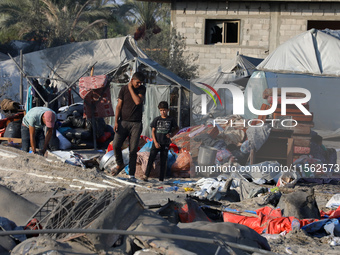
[157, 145]
[168, 135]
[115, 127]
[41, 152]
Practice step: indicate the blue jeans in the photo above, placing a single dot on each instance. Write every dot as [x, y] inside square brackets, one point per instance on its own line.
[25, 136]
[133, 131]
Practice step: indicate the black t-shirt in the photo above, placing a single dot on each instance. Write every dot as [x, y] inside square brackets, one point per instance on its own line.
[130, 111]
[163, 127]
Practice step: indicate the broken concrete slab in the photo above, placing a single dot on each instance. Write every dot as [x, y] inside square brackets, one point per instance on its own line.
[14, 207]
[300, 204]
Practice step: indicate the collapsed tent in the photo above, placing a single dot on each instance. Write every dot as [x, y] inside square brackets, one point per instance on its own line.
[310, 60]
[235, 71]
[66, 64]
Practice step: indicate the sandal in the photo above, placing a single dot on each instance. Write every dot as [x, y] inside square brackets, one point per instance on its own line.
[115, 171]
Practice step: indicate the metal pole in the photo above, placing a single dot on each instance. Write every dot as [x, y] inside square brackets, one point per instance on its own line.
[94, 125]
[21, 78]
[179, 107]
[42, 98]
[69, 86]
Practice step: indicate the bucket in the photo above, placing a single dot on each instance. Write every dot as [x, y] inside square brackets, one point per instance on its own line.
[206, 156]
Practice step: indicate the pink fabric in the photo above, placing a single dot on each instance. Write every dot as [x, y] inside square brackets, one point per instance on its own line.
[91, 89]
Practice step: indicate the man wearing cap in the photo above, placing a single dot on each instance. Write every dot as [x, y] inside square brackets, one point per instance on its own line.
[32, 132]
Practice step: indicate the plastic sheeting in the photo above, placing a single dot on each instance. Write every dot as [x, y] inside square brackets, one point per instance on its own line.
[312, 52]
[70, 61]
[310, 60]
[269, 221]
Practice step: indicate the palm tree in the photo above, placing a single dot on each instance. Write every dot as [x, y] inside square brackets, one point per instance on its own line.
[145, 15]
[55, 22]
[22, 16]
[69, 20]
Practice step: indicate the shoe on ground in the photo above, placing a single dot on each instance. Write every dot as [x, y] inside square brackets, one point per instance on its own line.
[132, 179]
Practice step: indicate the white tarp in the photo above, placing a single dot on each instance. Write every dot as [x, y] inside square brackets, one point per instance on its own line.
[71, 61]
[312, 52]
[310, 60]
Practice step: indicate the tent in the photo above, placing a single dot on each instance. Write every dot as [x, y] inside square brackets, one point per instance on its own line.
[234, 71]
[3, 56]
[66, 64]
[310, 60]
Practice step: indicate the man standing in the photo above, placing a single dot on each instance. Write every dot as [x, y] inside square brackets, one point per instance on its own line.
[32, 132]
[128, 122]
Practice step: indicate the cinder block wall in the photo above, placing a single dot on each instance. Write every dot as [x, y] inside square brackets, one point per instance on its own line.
[263, 26]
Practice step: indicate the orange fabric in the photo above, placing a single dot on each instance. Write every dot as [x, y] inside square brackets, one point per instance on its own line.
[190, 213]
[252, 222]
[269, 221]
[331, 214]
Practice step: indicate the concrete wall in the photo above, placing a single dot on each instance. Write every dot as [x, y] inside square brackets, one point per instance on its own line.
[264, 26]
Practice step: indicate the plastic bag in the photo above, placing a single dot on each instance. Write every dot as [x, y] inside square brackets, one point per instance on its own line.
[287, 180]
[64, 144]
[334, 201]
[183, 162]
[146, 147]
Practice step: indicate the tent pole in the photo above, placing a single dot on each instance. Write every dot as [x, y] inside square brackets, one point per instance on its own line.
[62, 79]
[21, 78]
[179, 107]
[94, 125]
[42, 98]
[69, 86]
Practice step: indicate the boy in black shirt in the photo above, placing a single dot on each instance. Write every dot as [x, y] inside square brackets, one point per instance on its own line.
[163, 127]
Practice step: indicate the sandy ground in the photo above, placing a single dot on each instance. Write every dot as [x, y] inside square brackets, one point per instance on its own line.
[36, 178]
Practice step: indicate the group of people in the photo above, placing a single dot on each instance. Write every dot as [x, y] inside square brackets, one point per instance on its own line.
[128, 123]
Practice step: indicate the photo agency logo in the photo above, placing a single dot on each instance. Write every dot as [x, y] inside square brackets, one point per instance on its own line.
[238, 104]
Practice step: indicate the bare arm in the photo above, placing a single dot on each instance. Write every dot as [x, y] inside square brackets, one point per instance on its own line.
[118, 112]
[137, 99]
[32, 138]
[47, 139]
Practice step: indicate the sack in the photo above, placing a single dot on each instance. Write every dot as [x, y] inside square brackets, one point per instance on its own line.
[183, 162]
[13, 129]
[64, 144]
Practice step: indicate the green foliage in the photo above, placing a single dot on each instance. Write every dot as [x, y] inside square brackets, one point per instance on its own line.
[54, 22]
[168, 49]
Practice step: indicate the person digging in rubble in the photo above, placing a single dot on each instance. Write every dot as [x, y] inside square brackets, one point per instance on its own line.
[128, 122]
[163, 128]
[32, 129]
